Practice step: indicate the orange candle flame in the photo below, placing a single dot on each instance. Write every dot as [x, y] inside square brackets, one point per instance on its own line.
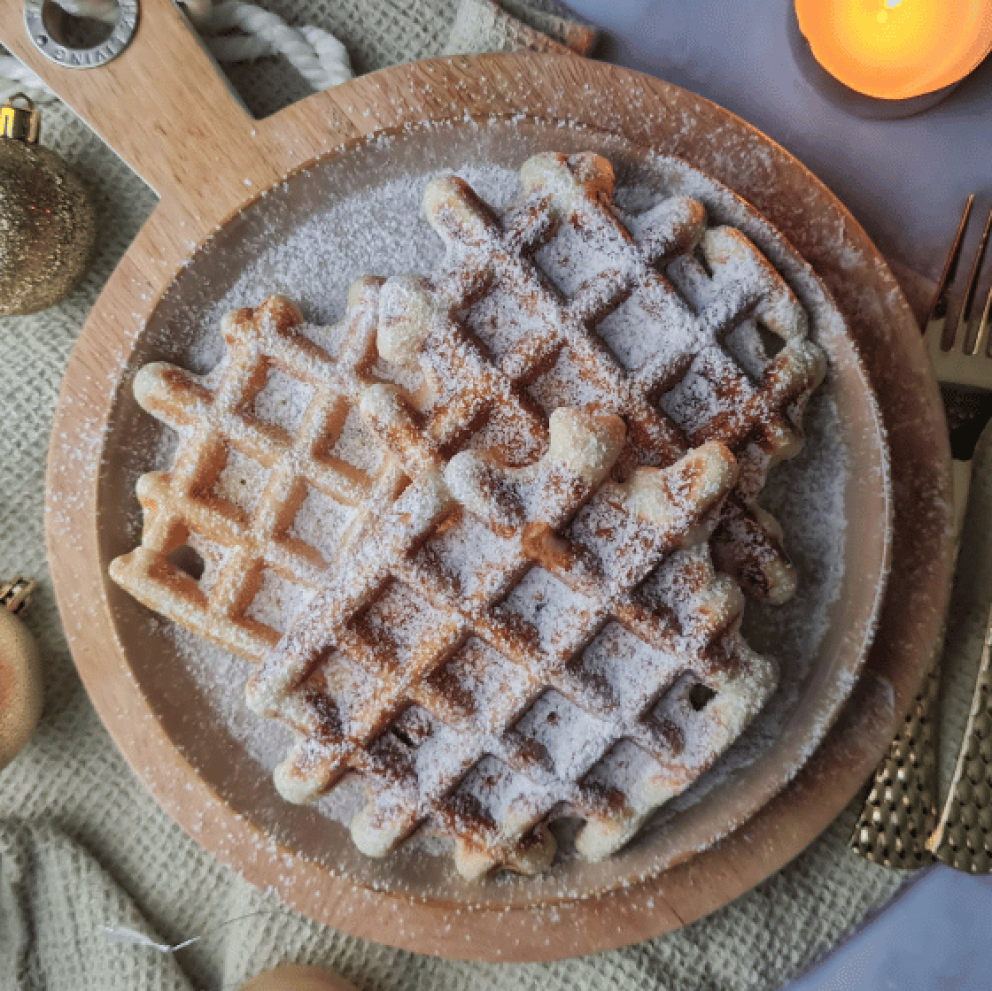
[897, 49]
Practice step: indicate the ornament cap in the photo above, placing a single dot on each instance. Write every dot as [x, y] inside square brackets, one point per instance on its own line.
[20, 123]
[14, 594]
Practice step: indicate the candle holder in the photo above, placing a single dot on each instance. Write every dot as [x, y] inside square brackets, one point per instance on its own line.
[840, 95]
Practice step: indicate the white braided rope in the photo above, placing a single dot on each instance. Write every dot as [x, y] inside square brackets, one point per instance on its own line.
[316, 54]
[18, 78]
[95, 10]
[331, 54]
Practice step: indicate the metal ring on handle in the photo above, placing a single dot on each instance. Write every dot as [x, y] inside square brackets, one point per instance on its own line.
[81, 58]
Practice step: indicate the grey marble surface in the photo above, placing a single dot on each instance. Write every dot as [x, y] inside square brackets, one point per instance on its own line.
[905, 181]
[935, 934]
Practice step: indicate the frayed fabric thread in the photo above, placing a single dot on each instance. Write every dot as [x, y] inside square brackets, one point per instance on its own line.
[128, 936]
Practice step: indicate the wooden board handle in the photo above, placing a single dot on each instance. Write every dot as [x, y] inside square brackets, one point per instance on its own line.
[162, 105]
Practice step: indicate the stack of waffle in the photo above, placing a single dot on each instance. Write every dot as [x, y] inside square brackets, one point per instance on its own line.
[500, 601]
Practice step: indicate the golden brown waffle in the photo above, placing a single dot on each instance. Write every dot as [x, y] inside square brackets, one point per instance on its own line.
[231, 437]
[507, 646]
[657, 318]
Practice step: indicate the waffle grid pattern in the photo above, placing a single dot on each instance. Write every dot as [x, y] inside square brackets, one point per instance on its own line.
[463, 758]
[182, 507]
[506, 291]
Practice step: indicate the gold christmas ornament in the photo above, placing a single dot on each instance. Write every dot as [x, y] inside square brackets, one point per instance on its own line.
[47, 219]
[290, 977]
[20, 672]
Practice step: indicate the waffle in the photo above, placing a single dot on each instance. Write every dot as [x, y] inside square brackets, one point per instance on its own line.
[508, 646]
[661, 320]
[243, 553]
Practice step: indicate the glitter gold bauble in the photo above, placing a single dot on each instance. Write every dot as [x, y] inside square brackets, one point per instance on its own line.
[47, 219]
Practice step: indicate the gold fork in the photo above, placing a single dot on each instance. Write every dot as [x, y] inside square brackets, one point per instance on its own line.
[960, 357]
[897, 825]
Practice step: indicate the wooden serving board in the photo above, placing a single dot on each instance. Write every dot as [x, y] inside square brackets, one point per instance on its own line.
[164, 108]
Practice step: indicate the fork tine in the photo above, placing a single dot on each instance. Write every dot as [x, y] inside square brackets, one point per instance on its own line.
[936, 322]
[964, 315]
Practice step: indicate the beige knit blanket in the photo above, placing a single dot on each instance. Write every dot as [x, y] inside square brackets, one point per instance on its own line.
[82, 846]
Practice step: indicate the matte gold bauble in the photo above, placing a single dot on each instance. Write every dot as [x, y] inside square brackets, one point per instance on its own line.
[47, 219]
[290, 977]
[20, 672]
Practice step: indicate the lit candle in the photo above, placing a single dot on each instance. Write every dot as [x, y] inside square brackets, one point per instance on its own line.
[897, 49]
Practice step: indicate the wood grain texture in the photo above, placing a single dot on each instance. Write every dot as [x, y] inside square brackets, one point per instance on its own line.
[205, 174]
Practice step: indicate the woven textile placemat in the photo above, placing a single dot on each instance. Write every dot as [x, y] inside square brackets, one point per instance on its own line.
[82, 846]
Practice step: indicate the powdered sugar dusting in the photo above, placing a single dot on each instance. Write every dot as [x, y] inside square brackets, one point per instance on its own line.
[283, 401]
